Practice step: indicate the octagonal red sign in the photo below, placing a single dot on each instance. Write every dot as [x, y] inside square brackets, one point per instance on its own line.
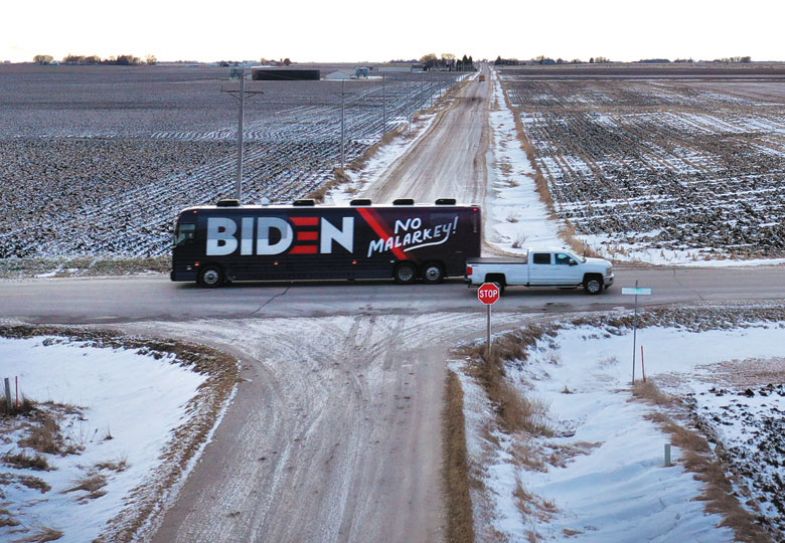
[488, 293]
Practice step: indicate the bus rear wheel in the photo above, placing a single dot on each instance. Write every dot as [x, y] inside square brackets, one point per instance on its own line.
[211, 277]
[405, 273]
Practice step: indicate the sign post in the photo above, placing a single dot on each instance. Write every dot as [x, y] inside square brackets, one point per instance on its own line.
[488, 294]
[636, 291]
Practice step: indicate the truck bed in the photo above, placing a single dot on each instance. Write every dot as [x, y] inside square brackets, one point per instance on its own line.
[498, 260]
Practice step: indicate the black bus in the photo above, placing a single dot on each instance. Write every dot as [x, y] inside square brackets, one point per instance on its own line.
[403, 241]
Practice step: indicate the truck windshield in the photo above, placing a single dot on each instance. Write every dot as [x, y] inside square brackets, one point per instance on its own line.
[185, 232]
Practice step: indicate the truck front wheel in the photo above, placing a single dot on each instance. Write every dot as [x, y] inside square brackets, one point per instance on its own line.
[593, 284]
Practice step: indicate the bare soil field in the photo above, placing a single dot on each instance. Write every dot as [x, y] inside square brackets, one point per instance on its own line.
[661, 165]
[97, 160]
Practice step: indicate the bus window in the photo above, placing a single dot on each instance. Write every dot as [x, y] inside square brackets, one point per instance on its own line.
[185, 233]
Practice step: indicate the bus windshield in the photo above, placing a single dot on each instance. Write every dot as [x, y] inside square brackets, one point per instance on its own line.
[185, 232]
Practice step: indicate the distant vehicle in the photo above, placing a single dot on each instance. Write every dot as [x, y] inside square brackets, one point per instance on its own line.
[481, 78]
[542, 268]
[403, 241]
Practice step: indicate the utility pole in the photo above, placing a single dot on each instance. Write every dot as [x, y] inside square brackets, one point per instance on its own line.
[239, 186]
[240, 95]
[343, 156]
[384, 106]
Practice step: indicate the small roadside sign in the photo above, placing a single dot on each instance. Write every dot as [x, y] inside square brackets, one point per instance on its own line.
[636, 291]
[488, 293]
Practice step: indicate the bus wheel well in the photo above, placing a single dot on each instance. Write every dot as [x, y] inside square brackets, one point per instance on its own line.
[211, 275]
[404, 272]
[432, 272]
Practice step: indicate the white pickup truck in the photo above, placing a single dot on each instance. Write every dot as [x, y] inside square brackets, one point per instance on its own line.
[542, 268]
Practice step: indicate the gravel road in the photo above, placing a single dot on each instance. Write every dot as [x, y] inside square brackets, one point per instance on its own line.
[449, 161]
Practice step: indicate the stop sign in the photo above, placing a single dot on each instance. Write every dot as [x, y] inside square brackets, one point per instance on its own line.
[488, 293]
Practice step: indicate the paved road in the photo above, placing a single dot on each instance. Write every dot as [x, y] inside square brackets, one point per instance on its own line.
[117, 300]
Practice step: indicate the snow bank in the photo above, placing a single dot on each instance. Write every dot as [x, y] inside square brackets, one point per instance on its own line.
[610, 484]
[515, 215]
[130, 403]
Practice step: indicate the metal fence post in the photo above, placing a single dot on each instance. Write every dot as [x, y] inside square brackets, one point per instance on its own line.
[8, 403]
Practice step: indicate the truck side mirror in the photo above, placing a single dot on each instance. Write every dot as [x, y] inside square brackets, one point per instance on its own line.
[573, 263]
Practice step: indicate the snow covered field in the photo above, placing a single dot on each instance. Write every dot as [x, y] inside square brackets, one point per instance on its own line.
[596, 472]
[123, 427]
[661, 171]
[125, 150]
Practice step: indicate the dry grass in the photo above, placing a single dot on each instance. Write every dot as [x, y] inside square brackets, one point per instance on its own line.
[25, 461]
[649, 392]
[25, 407]
[45, 436]
[7, 519]
[339, 178]
[533, 506]
[82, 266]
[514, 412]
[460, 523]
[93, 485]
[41, 536]
[718, 494]
[117, 466]
[35, 483]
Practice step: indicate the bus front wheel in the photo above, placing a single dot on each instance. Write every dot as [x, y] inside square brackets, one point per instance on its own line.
[211, 277]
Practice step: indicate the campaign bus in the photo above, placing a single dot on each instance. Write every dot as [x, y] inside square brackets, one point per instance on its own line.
[403, 241]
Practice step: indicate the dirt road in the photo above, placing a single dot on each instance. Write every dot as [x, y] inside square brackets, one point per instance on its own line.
[334, 434]
[449, 161]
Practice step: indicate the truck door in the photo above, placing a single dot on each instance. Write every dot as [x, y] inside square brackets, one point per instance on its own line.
[565, 269]
[540, 269]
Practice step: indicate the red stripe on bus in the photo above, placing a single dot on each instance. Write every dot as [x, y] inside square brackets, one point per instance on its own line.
[305, 221]
[374, 221]
[307, 236]
[304, 250]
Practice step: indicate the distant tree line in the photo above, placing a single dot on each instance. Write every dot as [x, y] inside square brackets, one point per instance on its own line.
[271, 62]
[119, 60]
[543, 60]
[731, 60]
[447, 62]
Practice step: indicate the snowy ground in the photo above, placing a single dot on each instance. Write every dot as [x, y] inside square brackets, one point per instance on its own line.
[600, 477]
[118, 411]
[515, 214]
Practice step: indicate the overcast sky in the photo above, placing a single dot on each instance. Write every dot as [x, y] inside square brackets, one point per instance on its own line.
[357, 30]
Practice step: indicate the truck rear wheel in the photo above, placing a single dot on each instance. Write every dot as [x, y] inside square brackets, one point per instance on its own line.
[405, 273]
[499, 279]
[432, 273]
[593, 284]
[211, 276]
